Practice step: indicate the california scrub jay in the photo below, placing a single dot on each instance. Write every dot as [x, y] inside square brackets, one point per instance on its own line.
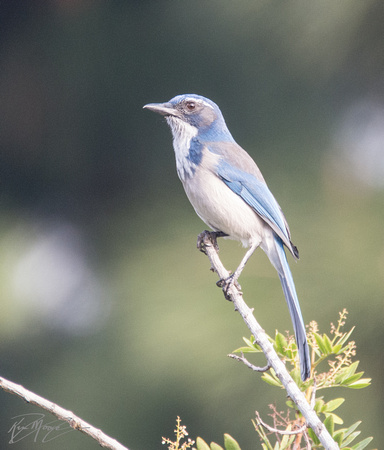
[229, 193]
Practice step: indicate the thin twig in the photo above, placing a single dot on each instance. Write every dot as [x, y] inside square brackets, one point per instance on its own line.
[62, 414]
[248, 364]
[308, 444]
[207, 241]
[275, 430]
[313, 396]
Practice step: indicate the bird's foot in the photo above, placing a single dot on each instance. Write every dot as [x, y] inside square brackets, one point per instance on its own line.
[226, 285]
[208, 238]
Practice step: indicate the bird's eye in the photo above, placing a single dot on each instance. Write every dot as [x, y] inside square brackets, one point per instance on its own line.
[191, 106]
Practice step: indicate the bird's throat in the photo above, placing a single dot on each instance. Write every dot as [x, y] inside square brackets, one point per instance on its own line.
[183, 141]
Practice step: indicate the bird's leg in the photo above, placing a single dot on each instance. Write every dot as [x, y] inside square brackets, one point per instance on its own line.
[232, 279]
[244, 261]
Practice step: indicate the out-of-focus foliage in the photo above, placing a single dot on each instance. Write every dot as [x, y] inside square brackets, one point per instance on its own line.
[107, 307]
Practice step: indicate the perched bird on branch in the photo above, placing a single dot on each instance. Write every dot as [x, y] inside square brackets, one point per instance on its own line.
[228, 192]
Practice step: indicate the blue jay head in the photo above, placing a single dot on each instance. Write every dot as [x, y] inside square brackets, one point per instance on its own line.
[191, 110]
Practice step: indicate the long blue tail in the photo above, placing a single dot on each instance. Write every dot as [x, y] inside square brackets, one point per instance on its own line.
[278, 258]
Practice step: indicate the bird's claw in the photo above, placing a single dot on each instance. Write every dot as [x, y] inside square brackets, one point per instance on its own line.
[203, 241]
[226, 284]
[208, 238]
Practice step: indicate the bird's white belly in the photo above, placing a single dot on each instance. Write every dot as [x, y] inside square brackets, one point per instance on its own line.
[221, 209]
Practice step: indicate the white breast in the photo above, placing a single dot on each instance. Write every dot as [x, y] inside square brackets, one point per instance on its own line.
[219, 207]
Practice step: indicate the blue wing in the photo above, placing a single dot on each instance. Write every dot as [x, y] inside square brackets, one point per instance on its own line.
[257, 195]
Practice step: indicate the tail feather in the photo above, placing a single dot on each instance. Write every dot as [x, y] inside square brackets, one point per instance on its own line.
[278, 258]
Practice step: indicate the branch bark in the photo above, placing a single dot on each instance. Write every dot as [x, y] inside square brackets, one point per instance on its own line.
[63, 414]
[208, 245]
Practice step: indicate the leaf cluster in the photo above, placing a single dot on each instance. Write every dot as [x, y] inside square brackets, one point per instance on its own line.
[332, 367]
[337, 350]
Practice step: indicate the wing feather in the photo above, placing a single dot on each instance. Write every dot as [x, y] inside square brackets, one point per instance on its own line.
[256, 194]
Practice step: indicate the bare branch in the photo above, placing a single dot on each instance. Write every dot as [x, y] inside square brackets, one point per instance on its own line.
[62, 414]
[275, 430]
[207, 243]
[248, 364]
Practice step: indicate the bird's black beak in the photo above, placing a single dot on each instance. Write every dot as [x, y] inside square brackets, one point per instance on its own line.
[165, 109]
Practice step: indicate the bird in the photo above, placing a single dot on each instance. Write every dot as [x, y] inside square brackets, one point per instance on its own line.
[229, 193]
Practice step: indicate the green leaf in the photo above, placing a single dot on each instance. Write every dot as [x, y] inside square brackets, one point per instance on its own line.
[290, 404]
[313, 436]
[319, 405]
[336, 349]
[352, 428]
[327, 343]
[248, 341]
[345, 337]
[362, 444]
[215, 446]
[270, 380]
[281, 343]
[201, 444]
[245, 350]
[252, 344]
[295, 374]
[329, 424]
[319, 354]
[351, 438]
[285, 440]
[353, 378]
[289, 354]
[250, 348]
[341, 375]
[364, 382]
[320, 343]
[352, 368]
[230, 443]
[334, 404]
[346, 372]
[338, 437]
[336, 419]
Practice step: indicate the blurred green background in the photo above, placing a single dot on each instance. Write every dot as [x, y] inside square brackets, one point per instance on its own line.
[107, 308]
